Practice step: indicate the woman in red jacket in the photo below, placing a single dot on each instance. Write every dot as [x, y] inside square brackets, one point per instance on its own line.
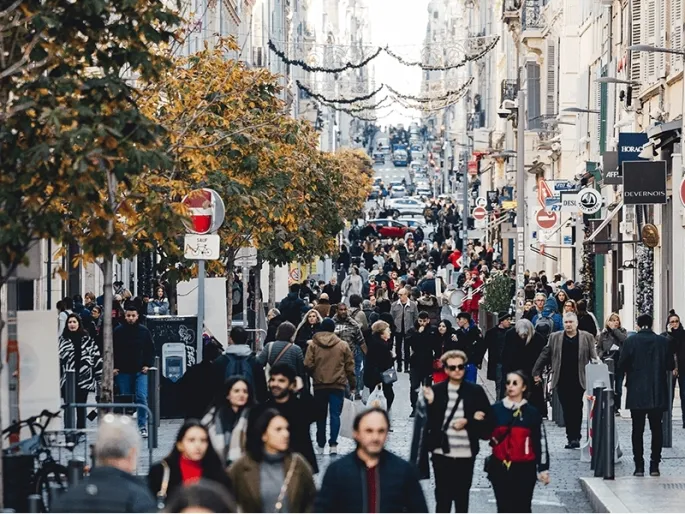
[519, 448]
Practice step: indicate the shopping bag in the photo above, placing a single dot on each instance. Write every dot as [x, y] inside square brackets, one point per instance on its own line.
[471, 374]
[349, 412]
[365, 395]
[377, 398]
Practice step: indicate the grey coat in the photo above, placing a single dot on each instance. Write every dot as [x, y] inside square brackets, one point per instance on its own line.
[607, 338]
[551, 354]
[410, 316]
[646, 358]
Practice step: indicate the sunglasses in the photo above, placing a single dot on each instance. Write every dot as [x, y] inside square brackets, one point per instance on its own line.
[460, 367]
[512, 382]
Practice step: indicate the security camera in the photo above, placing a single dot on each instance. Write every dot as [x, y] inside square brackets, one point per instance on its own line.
[508, 104]
[503, 113]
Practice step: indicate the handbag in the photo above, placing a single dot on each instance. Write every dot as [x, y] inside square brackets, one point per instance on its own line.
[161, 494]
[489, 461]
[389, 376]
[439, 374]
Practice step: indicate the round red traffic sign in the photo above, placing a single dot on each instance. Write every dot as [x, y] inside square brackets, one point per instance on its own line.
[546, 219]
[479, 213]
[682, 191]
[207, 211]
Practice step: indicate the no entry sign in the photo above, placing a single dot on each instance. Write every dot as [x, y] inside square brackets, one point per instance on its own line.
[479, 213]
[546, 219]
[207, 211]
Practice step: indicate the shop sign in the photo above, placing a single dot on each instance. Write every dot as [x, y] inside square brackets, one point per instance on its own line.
[644, 182]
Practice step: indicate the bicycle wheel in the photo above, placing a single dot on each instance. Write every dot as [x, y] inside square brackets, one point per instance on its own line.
[48, 474]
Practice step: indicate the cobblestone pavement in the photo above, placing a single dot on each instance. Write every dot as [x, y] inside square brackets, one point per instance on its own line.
[563, 494]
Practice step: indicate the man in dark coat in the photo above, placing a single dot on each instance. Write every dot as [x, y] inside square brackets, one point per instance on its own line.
[299, 409]
[348, 486]
[111, 485]
[494, 344]
[646, 358]
[293, 307]
[332, 289]
[422, 339]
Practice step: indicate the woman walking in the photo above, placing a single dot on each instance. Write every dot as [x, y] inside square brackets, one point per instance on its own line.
[79, 353]
[379, 358]
[609, 344]
[310, 325]
[192, 458]
[519, 448]
[270, 478]
[159, 305]
[226, 420]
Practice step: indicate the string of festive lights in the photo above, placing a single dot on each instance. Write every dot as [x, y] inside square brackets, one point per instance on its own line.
[322, 98]
[314, 69]
[447, 96]
[430, 67]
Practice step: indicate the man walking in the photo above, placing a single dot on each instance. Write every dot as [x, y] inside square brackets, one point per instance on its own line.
[568, 352]
[331, 365]
[350, 331]
[494, 344]
[470, 341]
[134, 354]
[333, 291]
[239, 359]
[371, 479]
[646, 359]
[404, 313]
[423, 340]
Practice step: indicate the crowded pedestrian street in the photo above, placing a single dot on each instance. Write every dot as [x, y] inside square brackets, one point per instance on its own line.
[342, 256]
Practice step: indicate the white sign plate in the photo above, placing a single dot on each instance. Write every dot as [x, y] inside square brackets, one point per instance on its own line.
[481, 202]
[589, 200]
[201, 247]
[569, 202]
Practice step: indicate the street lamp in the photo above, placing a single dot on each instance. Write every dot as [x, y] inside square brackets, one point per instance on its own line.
[579, 110]
[614, 80]
[655, 49]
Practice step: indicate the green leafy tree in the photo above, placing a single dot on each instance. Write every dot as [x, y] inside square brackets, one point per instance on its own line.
[497, 294]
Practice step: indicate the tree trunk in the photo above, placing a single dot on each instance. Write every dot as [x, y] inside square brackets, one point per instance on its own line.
[107, 386]
[272, 286]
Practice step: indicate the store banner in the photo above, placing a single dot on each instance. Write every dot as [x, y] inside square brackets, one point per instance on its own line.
[610, 171]
[629, 147]
[644, 182]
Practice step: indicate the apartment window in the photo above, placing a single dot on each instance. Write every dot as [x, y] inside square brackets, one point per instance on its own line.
[533, 84]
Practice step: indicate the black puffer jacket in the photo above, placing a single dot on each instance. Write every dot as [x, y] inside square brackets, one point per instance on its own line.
[378, 359]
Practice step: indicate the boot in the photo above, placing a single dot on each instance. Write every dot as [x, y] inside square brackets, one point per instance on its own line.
[639, 469]
[399, 367]
[654, 469]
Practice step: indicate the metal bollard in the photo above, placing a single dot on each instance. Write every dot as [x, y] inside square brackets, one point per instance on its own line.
[667, 418]
[158, 403]
[597, 428]
[35, 503]
[557, 411]
[153, 404]
[608, 442]
[55, 492]
[75, 470]
[70, 399]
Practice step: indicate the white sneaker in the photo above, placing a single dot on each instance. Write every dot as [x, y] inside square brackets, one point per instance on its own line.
[333, 449]
[319, 450]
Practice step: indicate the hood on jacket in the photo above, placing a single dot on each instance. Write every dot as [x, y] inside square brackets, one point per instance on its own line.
[239, 350]
[551, 306]
[429, 301]
[325, 339]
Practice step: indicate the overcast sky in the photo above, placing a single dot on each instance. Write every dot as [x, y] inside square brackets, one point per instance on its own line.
[402, 25]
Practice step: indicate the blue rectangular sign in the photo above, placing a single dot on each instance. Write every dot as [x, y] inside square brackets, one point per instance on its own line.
[629, 146]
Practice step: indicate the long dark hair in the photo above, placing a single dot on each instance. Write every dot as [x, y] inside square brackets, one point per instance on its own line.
[221, 399]
[81, 331]
[204, 494]
[256, 428]
[210, 463]
[524, 378]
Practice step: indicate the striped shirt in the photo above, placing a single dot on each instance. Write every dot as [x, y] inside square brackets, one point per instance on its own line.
[460, 445]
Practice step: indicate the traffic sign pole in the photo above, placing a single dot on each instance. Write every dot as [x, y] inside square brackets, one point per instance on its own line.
[520, 203]
[200, 308]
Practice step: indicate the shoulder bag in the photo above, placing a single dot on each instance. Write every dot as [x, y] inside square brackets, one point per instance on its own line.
[267, 368]
[284, 488]
[489, 462]
[161, 494]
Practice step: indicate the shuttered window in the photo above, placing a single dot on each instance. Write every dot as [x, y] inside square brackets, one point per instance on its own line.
[651, 26]
[603, 112]
[533, 85]
[676, 34]
[661, 39]
[636, 39]
[550, 102]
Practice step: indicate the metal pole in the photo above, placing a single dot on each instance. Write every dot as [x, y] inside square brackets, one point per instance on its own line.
[520, 203]
[609, 428]
[75, 469]
[246, 276]
[153, 403]
[35, 503]
[465, 216]
[157, 411]
[200, 308]
[667, 419]
[70, 399]
[597, 436]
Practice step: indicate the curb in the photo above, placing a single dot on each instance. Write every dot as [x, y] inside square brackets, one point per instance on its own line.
[600, 496]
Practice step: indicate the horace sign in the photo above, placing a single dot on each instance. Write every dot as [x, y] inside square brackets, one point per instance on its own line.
[644, 182]
[629, 147]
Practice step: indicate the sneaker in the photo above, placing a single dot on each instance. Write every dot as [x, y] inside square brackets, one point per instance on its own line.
[143, 433]
[319, 450]
[639, 470]
[399, 367]
[575, 444]
[654, 469]
[333, 450]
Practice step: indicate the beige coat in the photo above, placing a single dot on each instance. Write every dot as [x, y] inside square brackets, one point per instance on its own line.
[551, 354]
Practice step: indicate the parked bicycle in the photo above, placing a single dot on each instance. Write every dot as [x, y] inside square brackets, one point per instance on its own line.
[47, 472]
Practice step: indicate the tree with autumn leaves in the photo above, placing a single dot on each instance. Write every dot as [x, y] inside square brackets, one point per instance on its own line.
[227, 129]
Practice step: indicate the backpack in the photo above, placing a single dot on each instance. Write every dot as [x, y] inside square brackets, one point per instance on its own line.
[544, 326]
[240, 365]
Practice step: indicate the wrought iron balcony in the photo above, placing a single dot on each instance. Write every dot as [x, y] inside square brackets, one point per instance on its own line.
[475, 120]
[511, 10]
[531, 15]
[509, 90]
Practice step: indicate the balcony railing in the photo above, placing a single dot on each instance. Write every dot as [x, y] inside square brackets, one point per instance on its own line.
[475, 120]
[509, 90]
[531, 14]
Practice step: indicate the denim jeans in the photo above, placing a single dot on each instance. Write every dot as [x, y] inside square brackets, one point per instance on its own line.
[358, 366]
[326, 398]
[136, 384]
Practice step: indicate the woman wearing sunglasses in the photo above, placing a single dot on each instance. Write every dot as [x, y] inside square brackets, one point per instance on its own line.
[519, 448]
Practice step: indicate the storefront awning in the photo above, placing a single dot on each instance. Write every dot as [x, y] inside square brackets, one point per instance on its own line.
[604, 223]
[666, 133]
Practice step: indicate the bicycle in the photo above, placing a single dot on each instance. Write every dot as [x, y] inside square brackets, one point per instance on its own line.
[47, 471]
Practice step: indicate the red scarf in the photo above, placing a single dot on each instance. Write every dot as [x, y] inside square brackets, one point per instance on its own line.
[191, 471]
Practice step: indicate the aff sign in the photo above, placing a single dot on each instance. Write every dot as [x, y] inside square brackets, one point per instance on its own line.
[610, 170]
[644, 182]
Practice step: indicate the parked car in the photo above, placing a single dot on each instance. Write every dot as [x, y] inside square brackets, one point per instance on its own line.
[424, 192]
[398, 192]
[378, 158]
[389, 228]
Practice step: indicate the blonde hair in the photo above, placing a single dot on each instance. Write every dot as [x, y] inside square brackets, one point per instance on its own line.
[612, 316]
[454, 354]
[379, 327]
